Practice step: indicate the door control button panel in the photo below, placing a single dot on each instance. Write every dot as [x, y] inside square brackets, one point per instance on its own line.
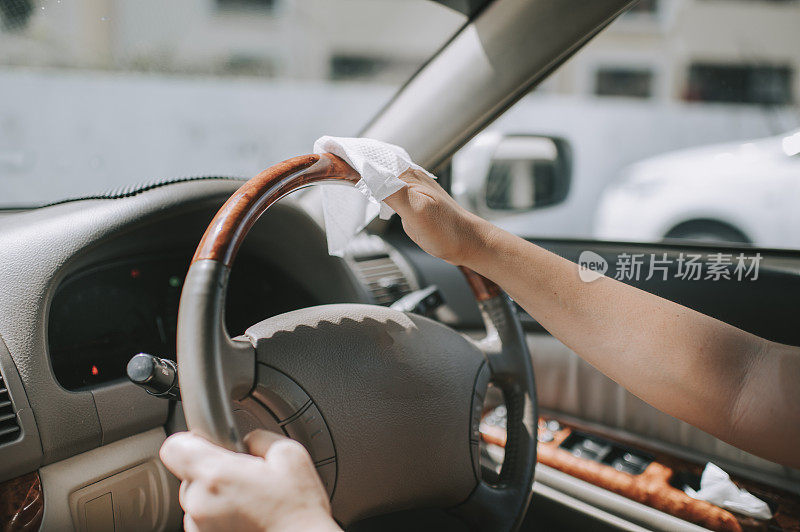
[597, 449]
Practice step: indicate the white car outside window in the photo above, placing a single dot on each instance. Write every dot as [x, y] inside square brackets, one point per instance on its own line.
[734, 192]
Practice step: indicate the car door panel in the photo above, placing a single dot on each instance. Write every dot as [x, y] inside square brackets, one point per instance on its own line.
[568, 386]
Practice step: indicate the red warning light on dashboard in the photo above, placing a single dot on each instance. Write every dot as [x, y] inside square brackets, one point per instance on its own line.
[135, 273]
[95, 371]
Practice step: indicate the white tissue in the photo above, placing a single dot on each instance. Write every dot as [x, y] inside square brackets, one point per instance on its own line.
[380, 165]
[716, 487]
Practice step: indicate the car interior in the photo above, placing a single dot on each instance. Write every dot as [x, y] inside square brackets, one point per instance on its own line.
[425, 397]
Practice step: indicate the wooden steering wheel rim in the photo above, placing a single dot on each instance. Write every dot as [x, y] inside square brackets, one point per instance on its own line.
[204, 345]
[233, 221]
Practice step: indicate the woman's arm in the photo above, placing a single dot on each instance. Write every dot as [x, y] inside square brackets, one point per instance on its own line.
[741, 388]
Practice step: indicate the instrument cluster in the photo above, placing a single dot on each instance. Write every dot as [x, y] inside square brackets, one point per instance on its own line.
[102, 316]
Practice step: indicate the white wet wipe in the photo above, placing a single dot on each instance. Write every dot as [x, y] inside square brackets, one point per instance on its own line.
[717, 488]
[380, 165]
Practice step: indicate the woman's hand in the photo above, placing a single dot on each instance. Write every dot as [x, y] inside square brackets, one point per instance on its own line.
[275, 489]
[438, 224]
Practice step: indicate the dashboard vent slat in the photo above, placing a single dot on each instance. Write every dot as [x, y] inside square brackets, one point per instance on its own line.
[5, 434]
[384, 279]
[380, 268]
[9, 427]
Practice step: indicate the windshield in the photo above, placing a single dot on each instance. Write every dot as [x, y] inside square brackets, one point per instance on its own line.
[101, 95]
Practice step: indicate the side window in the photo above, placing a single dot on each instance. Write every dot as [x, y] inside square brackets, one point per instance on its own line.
[678, 122]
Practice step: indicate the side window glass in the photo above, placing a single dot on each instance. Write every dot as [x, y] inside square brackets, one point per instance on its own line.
[678, 122]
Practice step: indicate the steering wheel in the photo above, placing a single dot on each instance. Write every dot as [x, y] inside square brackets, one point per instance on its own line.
[388, 404]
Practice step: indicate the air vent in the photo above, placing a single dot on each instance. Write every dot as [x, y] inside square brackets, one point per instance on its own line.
[383, 278]
[381, 269]
[9, 427]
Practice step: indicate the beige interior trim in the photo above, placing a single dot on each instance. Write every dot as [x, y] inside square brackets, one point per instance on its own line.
[572, 388]
[61, 479]
[606, 501]
[545, 491]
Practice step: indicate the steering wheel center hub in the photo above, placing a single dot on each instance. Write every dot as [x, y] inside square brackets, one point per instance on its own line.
[395, 391]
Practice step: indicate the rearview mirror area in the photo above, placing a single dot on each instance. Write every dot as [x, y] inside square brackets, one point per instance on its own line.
[527, 172]
[502, 175]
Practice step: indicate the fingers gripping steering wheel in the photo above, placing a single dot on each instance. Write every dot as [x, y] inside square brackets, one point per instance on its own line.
[388, 404]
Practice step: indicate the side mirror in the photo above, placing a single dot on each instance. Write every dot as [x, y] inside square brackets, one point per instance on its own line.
[526, 172]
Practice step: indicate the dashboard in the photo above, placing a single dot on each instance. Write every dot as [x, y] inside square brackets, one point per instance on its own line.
[86, 285]
[103, 315]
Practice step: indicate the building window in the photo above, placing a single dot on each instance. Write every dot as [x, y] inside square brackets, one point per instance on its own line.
[624, 81]
[349, 67]
[747, 84]
[249, 65]
[14, 14]
[259, 5]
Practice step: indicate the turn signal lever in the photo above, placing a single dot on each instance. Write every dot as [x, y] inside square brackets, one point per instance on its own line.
[424, 301]
[158, 376]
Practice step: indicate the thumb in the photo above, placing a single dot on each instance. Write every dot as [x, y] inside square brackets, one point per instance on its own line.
[259, 441]
[399, 201]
